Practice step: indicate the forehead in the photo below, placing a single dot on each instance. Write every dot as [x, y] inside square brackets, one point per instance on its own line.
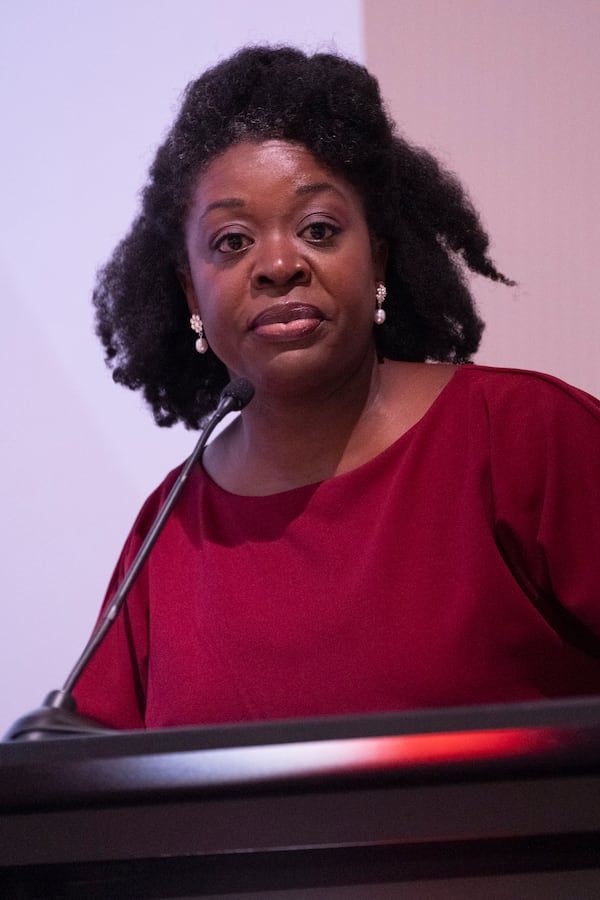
[261, 169]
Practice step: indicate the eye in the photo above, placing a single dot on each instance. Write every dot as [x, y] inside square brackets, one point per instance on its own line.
[320, 232]
[232, 242]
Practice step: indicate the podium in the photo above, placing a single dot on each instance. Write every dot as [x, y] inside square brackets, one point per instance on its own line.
[494, 802]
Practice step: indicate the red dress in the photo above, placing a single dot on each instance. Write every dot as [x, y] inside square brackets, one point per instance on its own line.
[459, 566]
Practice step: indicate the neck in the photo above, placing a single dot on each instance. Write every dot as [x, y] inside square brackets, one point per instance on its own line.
[284, 440]
[279, 443]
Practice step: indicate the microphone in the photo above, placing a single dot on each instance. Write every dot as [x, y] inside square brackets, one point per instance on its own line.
[57, 716]
[239, 392]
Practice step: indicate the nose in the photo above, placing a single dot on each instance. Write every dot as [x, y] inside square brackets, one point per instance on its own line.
[278, 263]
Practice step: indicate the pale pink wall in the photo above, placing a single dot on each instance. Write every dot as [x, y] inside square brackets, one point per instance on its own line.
[506, 92]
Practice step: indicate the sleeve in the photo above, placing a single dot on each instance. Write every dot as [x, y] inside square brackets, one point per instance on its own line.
[546, 485]
[112, 688]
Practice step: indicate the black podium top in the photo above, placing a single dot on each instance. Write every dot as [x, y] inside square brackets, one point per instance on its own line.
[373, 806]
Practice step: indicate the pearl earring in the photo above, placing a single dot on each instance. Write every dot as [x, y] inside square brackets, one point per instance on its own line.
[379, 316]
[197, 326]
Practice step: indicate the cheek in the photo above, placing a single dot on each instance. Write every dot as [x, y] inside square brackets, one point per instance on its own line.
[357, 284]
[218, 312]
[205, 291]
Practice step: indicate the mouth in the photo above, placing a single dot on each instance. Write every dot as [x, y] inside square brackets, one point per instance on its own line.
[287, 321]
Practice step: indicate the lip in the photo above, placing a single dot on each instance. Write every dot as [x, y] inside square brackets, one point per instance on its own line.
[287, 322]
[284, 313]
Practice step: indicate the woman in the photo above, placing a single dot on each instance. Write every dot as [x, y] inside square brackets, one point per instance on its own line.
[374, 532]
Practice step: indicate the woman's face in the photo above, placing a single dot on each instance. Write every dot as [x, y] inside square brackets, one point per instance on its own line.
[281, 267]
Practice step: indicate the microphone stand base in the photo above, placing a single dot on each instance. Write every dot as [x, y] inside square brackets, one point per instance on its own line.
[56, 718]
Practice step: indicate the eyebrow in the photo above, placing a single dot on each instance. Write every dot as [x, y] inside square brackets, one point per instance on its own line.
[236, 202]
[230, 203]
[316, 188]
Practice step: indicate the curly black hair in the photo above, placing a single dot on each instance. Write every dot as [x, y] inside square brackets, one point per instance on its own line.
[333, 107]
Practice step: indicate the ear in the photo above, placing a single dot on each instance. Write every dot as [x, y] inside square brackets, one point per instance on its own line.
[379, 252]
[187, 286]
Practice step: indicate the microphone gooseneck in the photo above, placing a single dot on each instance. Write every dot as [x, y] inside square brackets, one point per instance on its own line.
[57, 716]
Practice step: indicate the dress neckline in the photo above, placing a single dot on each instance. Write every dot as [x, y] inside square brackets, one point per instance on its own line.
[358, 471]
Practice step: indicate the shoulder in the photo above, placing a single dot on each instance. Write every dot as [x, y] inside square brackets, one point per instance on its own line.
[525, 393]
[151, 508]
[508, 379]
[539, 434]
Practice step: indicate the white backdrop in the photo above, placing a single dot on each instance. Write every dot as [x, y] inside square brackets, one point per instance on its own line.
[86, 91]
